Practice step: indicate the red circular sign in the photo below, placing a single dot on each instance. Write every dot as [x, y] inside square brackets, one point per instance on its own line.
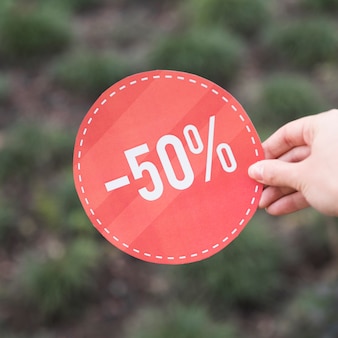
[160, 167]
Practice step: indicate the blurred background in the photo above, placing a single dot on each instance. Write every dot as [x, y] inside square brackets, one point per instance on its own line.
[58, 276]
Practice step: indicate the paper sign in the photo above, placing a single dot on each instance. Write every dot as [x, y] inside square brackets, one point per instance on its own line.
[160, 167]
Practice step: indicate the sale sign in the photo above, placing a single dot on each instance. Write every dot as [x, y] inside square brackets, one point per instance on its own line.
[160, 167]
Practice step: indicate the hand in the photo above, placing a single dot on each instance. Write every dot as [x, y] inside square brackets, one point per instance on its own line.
[301, 166]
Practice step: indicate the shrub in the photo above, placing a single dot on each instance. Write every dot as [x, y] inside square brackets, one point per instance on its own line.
[212, 54]
[87, 73]
[28, 34]
[322, 5]
[81, 5]
[47, 208]
[7, 222]
[75, 220]
[310, 241]
[179, 322]
[284, 98]
[65, 192]
[72, 6]
[245, 274]
[30, 150]
[57, 207]
[304, 43]
[13, 334]
[313, 312]
[245, 17]
[58, 283]
[78, 222]
[4, 89]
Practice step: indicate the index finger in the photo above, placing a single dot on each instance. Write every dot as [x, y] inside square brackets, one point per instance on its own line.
[293, 134]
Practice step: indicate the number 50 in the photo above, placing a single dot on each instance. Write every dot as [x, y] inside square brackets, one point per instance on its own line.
[138, 169]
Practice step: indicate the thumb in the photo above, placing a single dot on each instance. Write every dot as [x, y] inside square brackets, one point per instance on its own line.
[275, 173]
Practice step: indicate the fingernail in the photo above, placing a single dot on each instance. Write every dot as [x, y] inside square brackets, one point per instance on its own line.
[256, 171]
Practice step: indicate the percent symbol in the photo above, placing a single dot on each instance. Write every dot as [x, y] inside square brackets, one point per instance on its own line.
[223, 151]
[219, 150]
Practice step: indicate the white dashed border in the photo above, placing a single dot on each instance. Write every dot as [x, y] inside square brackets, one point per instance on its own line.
[81, 142]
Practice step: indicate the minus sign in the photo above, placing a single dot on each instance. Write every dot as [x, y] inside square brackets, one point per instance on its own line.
[117, 183]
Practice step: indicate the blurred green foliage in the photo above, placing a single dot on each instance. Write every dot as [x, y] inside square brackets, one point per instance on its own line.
[284, 98]
[303, 43]
[58, 283]
[179, 322]
[57, 207]
[30, 34]
[4, 89]
[247, 274]
[51, 264]
[30, 150]
[88, 73]
[213, 54]
[78, 5]
[245, 17]
[7, 222]
[313, 312]
[312, 241]
[322, 5]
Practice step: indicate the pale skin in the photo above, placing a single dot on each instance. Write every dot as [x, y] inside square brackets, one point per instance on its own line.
[301, 166]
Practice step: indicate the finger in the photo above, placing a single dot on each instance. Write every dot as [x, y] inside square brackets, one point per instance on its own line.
[277, 173]
[272, 194]
[288, 204]
[293, 134]
[296, 154]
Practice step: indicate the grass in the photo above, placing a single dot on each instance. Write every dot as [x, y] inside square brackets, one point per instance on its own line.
[30, 35]
[179, 322]
[86, 73]
[284, 98]
[30, 150]
[4, 89]
[57, 283]
[57, 207]
[244, 17]
[246, 274]
[52, 265]
[303, 44]
[321, 5]
[312, 313]
[213, 54]
[77, 5]
[8, 218]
